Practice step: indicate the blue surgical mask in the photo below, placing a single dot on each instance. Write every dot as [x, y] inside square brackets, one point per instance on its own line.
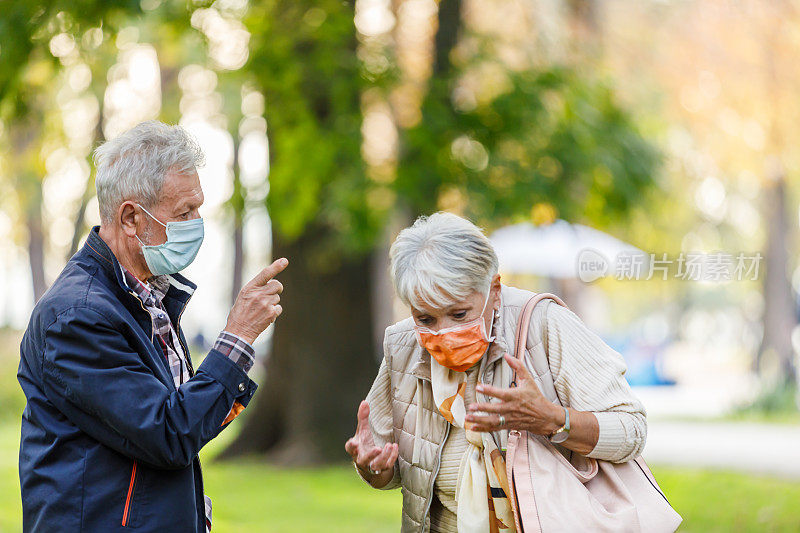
[184, 238]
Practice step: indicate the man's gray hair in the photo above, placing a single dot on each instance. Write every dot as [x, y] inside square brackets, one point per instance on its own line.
[133, 165]
[440, 260]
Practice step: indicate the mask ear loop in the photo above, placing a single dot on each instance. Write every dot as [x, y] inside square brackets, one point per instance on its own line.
[151, 216]
[487, 334]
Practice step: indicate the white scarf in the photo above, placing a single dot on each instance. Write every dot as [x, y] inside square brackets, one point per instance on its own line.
[482, 485]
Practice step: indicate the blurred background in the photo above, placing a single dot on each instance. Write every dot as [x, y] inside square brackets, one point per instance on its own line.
[636, 157]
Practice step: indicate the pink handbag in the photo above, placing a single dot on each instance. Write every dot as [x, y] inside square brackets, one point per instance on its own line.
[553, 494]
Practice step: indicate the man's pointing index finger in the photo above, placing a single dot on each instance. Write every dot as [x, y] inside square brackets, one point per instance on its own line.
[271, 271]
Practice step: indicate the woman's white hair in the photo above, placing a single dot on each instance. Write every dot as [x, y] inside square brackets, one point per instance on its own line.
[440, 260]
[133, 165]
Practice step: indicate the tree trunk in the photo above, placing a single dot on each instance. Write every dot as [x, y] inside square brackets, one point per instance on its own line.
[779, 308]
[80, 221]
[36, 249]
[80, 216]
[238, 204]
[586, 43]
[322, 360]
[584, 18]
[238, 254]
[23, 134]
[779, 312]
[446, 35]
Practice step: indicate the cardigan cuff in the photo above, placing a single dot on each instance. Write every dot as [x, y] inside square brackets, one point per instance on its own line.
[613, 442]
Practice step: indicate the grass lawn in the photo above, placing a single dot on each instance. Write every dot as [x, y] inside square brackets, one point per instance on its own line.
[250, 496]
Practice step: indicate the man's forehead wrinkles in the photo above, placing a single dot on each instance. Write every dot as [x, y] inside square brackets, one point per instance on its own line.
[194, 199]
[181, 192]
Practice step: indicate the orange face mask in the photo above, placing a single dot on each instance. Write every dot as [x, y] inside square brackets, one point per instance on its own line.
[457, 347]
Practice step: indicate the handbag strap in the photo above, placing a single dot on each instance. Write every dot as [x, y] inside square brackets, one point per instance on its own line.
[521, 338]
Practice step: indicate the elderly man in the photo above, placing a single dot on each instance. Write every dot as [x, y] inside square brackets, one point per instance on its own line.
[116, 412]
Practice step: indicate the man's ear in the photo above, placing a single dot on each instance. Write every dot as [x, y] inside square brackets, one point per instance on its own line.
[128, 218]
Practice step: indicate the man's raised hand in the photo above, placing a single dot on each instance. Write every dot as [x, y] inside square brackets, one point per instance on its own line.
[257, 305]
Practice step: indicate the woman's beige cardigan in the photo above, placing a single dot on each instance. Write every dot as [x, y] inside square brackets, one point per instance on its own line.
[588, 376]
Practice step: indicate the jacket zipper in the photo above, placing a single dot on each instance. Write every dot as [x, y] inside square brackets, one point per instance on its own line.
[152, 324]
[191, 373]
[131, 487]
[178, 333]
[177, 329]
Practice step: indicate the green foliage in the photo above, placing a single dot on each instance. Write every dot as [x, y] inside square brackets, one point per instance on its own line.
[773, 404]
[303, 55]
[552, 137]
[782, 398]
[25, 32]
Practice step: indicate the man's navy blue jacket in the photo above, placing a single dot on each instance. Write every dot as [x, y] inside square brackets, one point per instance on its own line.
[108, 443]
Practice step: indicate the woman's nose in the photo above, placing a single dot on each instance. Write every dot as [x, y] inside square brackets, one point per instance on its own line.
[444, 324]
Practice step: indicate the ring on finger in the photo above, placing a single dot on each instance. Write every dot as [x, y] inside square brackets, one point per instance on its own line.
[502, 421]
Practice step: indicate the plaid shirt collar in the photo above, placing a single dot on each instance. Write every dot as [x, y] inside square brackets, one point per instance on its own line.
[150, 293]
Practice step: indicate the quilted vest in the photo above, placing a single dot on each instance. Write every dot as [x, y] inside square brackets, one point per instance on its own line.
[419, 428]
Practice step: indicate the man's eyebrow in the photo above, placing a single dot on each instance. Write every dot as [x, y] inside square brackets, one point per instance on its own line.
[185, 204]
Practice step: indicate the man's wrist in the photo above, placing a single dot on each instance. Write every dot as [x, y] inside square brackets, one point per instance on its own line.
[239, 332]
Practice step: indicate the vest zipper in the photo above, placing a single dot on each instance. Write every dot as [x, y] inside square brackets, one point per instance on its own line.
[131, 487]
[438, 464]
[433, 477]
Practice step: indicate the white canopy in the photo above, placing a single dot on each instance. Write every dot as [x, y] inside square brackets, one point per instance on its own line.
[554, 250]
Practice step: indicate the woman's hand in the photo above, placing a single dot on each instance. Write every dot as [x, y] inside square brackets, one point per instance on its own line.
[523, 407]
[375, 464]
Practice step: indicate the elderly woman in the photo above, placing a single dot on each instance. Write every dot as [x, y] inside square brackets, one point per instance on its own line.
[421, 423]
